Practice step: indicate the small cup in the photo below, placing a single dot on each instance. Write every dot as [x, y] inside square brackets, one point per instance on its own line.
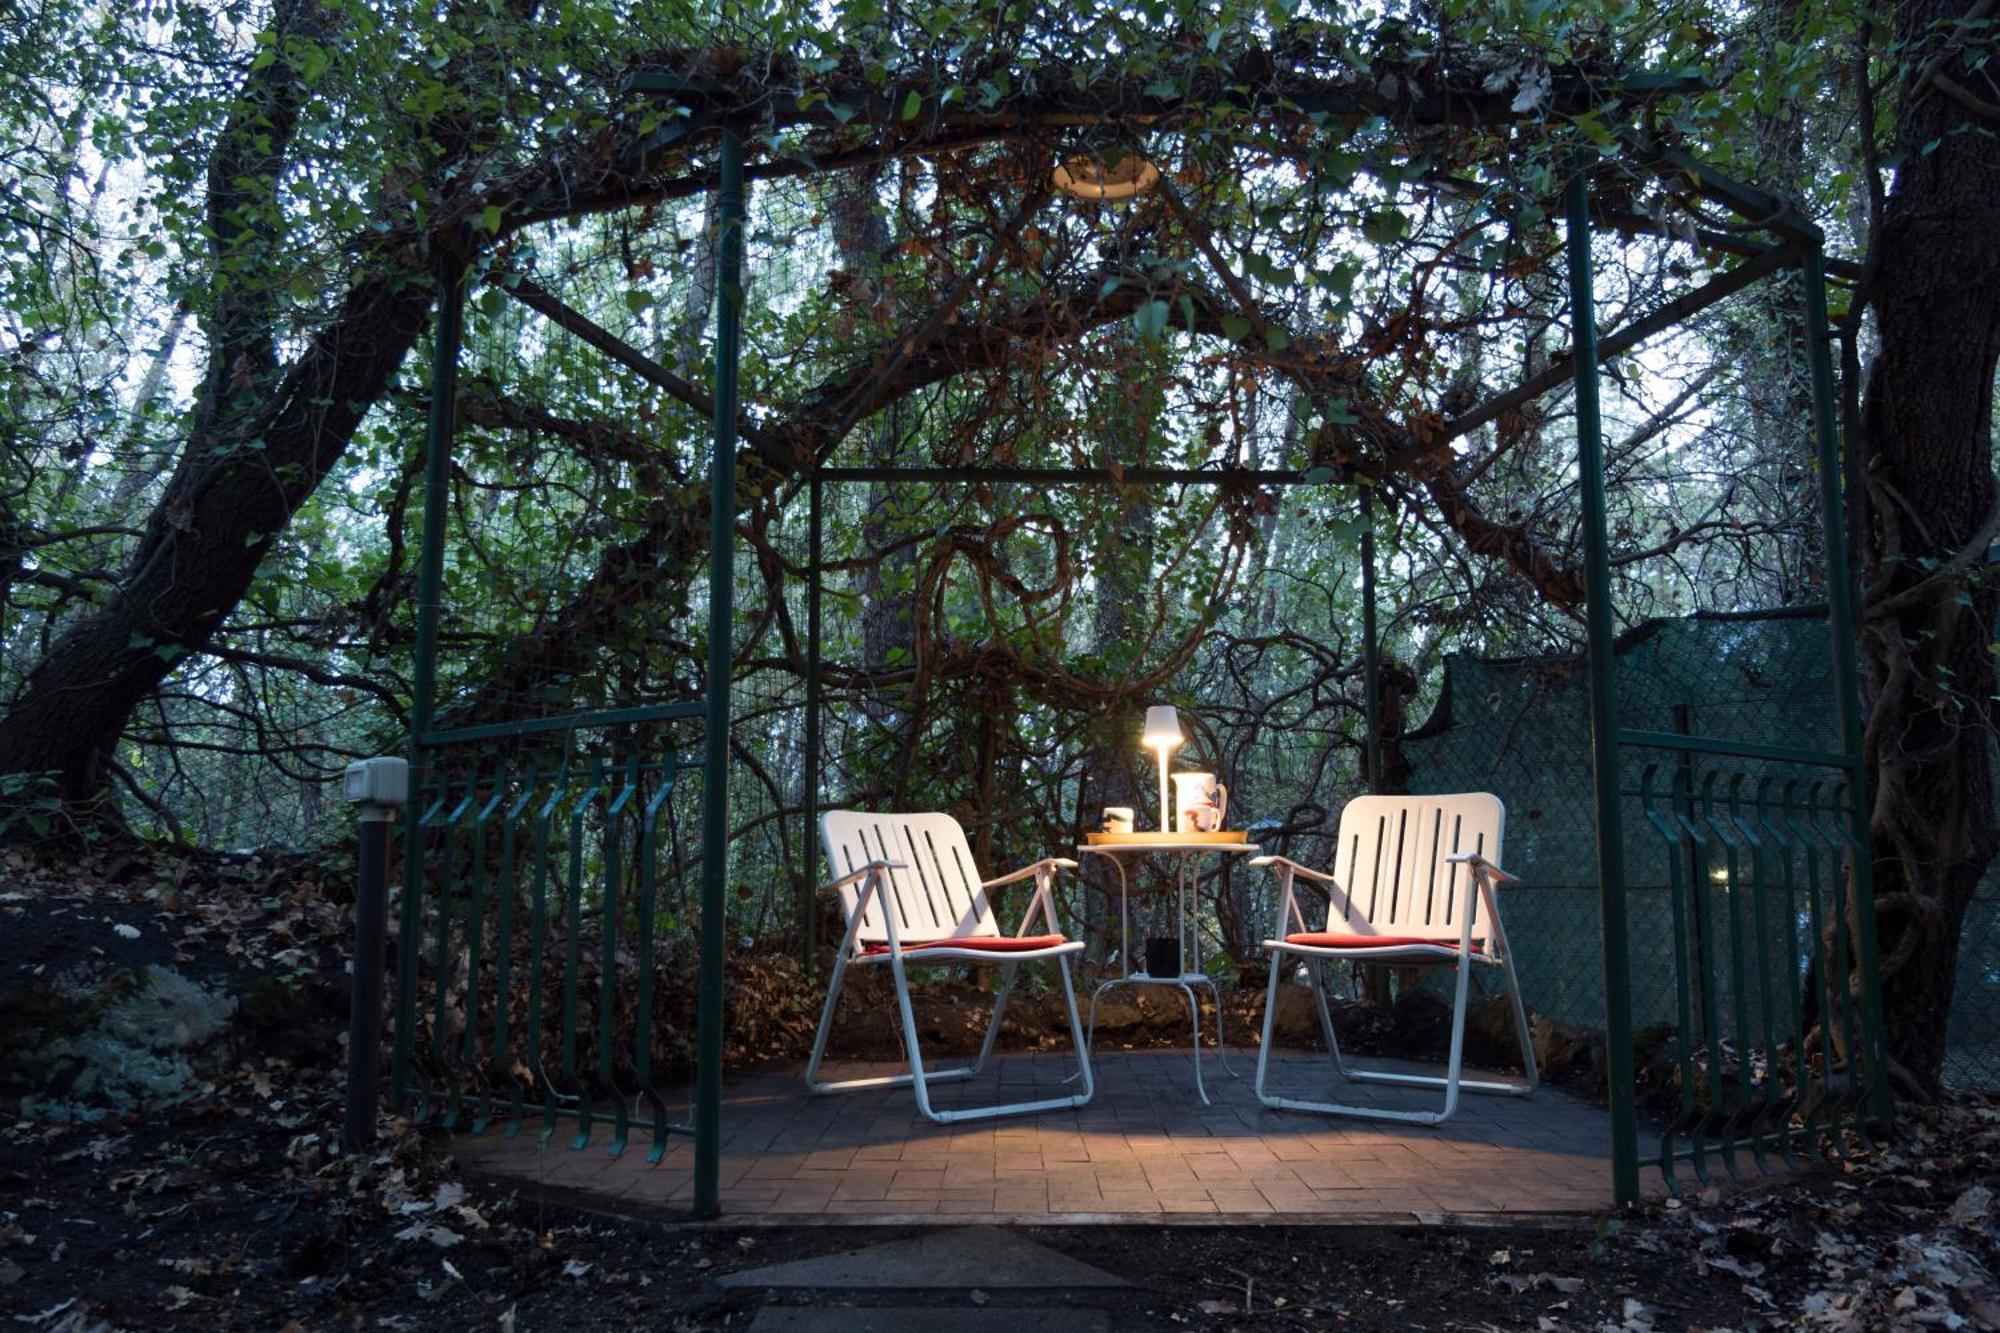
[1118, 818]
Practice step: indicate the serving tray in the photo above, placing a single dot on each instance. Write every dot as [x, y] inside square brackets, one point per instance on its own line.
[1142, 839]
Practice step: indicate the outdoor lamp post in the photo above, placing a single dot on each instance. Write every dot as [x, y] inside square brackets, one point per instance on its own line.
[379, 788]
[1163, 733]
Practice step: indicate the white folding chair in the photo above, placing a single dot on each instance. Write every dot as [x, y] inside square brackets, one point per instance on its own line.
[911, 894]
[1412, 877]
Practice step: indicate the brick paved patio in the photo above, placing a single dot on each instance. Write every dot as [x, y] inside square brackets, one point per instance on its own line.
[1145, 1146]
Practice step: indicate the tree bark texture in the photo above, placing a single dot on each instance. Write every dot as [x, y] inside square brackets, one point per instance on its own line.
[1927, 445]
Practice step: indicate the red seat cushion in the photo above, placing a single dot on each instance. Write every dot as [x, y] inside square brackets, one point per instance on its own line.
[983, 943]
[1327, 939]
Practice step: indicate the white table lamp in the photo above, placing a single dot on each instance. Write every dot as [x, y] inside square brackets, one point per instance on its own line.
[1163, 733]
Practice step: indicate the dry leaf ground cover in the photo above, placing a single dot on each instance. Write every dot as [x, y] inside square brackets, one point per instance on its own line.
[197, 1187]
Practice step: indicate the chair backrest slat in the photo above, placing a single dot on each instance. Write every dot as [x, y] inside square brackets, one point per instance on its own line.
[1391, 860]
[937, 894]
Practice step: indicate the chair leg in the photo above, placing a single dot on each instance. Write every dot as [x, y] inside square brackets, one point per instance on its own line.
[1077, 1035]
[1523, 1033]
[1077, 1098]
[910, 1044]
[833, 986]
[919, 1080]
[1270, 1024]
[1007, 973]
[813, 1082]
[1316, 978]
[1194, 1023]
[1457, 1064]
[1452, 1082]
[1316, 983]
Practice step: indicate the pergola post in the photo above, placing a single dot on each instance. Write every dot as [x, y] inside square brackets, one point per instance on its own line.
[721, 617]
[1846, 671]
[1603, 701]
[446, 338]
[809, 855]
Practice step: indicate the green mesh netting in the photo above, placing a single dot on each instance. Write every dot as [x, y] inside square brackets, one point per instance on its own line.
[1520, 728]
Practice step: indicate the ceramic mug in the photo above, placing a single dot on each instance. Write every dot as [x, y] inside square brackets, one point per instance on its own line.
[1118, 818]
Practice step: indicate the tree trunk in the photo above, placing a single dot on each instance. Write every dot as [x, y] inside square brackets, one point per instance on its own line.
[1927, 444]
[263, 437]
[235, 489]
[887, 583]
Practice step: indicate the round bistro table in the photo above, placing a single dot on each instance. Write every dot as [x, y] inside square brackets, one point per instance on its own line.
[1186, 854]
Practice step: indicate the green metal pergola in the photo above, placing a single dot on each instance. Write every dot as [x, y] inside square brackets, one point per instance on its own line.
[443, 808]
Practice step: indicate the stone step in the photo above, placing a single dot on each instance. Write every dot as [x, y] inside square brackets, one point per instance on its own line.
[961, 1259]
[926, 1319]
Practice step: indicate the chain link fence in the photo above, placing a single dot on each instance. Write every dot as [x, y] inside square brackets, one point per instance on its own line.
[1757, 842]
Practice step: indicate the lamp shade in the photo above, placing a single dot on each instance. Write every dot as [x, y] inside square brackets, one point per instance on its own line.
[1106, 179]
[1163, 726]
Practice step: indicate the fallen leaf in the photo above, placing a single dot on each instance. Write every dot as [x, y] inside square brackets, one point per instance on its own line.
[1972, 1205]
[443, 1237]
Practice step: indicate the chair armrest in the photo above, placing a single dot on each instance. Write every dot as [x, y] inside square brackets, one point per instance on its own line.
[1047, 862]
[861, 872]
[1478, 862]
[1044, 873]
[1294, 867]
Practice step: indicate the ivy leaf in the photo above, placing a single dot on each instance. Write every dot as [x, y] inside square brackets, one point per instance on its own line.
[1235, 327]
[912, 104]
[1593, 128]
[1384, 226]
[1150, 320]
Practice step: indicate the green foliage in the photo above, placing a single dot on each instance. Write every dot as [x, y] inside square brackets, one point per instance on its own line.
[576, 508]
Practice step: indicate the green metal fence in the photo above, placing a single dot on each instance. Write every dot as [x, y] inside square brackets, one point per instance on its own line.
[591, 817]
[549, 875]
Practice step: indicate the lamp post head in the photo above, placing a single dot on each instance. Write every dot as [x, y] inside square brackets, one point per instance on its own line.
[1163, 727]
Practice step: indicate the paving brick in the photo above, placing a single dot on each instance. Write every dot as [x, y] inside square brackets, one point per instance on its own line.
[1236, 1200]
[1146, 1145]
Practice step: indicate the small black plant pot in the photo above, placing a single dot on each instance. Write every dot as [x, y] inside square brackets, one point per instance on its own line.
[1163, 958]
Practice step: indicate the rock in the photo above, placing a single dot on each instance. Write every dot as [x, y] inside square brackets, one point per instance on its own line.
[129, 1043]
[1566, 1054]
[1119, 1012]
[1297, 1019]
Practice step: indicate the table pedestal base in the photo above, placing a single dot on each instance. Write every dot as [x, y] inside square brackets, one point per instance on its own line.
[1185, 983]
